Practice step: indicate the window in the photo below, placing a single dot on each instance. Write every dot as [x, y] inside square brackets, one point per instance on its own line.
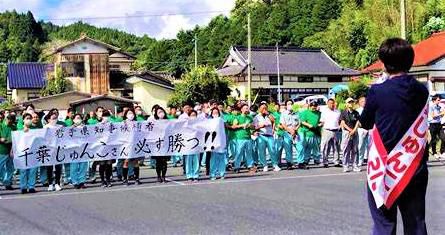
[73, 69]
[273, 80]
[305, 79]
[33, 95]
[335, 79]
[115, 66]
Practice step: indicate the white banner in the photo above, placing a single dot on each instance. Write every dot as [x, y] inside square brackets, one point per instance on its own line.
[49, 146]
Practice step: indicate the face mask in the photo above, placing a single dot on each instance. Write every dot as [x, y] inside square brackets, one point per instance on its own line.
[27, 122]
[138, 112]
[161, 115]
[77, 121]
[215, 115]
[99, 114]
[52, 122]
[105, 119]
[130, 117]
[289, 108]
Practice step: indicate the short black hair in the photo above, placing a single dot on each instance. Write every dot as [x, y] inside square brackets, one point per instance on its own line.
[330, 99]
[397, 55]
[435, 97]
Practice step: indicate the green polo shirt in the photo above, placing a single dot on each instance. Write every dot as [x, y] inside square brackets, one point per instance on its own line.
[313, 118]
[69, 122]
[92, 121]
[171, 117]
[278, 130]
[6, 133]
[116, 119]
[241, 133]
[140, 118]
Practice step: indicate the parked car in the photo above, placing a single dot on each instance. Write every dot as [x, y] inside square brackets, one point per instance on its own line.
[321, 100]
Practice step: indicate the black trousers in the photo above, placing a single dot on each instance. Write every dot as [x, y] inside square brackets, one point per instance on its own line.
[58, 174]
[436, 134]
[411, 204]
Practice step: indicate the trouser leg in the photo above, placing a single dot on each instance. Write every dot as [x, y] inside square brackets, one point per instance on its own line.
[287, 145]
[300, 147]
[74, 173]
[434, 131]
[261, 145]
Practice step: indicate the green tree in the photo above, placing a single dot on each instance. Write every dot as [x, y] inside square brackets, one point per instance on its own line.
[55, 85]
[199, 85]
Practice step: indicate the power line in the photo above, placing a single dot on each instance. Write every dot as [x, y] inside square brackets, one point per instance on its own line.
[136, 16]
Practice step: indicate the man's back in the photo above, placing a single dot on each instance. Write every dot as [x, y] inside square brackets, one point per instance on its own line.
[393, 106]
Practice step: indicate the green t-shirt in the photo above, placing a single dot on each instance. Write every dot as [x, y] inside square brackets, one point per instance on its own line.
[241, 133]
[278, 130]
[116, 119]
[92, 121]
[140, 118]
[171, 117]
[6, 133]
[313, 118]
[69, 122]
[228, 118]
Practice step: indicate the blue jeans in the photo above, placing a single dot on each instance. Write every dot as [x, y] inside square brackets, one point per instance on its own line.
[243, 150]
[263, 143]
[6, 169]
[285, 142]
[79, 172]
[192, 166]
[28, 178]
[308, 147]
[218, 164]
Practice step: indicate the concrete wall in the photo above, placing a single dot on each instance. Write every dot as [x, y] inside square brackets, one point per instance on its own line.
[149, 94]
[20, 95]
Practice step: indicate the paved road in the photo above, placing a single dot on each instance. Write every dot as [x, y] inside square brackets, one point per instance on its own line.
[315, 201]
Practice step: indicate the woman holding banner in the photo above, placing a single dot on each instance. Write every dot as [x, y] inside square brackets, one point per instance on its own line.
[78, 170]
[106, 166]
[192, 161]
[129, 117]
[161, 161]
[52, 122]
[218, 160]
[28, 176]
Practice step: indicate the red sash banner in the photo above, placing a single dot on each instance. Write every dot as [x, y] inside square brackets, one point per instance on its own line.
[390, 173]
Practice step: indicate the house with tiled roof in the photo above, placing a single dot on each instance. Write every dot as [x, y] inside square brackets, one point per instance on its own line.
[150, 88]
[302, 71]
[25, 80]
[429, 62]
[91, 67]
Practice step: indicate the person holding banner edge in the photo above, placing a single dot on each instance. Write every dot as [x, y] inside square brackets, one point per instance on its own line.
[28, 176]
[161, 161]
[6, 162]
[396, 109]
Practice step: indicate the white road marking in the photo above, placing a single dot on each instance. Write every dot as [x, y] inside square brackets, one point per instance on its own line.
[177, 184]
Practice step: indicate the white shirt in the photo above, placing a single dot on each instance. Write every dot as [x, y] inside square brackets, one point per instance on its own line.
[259, 120]
[288, 119]
[183, 116]
[330, 119]
[359, 110]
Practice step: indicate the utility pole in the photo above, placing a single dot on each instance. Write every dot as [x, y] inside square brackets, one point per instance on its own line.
[403, 19]
[249, 59]
[278, 74]
[196, 51]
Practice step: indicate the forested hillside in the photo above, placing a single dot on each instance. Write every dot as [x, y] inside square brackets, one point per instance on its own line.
[349, 30]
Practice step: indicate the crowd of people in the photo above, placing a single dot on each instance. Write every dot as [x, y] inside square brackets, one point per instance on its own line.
[257, 138]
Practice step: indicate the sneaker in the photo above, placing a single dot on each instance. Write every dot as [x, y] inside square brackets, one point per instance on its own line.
[346, 169]
[138, 182]
[9, 187]
[357, 169]
[24, 191]
[326, 165]
[31, 190]
[437, 156]
[276, 168]
[442, 156]
[265, 169]
[109, 184]
[82, 186]
[125, 182]
[222, 177]
[104, 185]
[51, 188]
[213, 179]
[58, 187]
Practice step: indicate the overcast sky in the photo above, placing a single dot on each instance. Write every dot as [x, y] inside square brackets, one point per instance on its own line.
[165, 24]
